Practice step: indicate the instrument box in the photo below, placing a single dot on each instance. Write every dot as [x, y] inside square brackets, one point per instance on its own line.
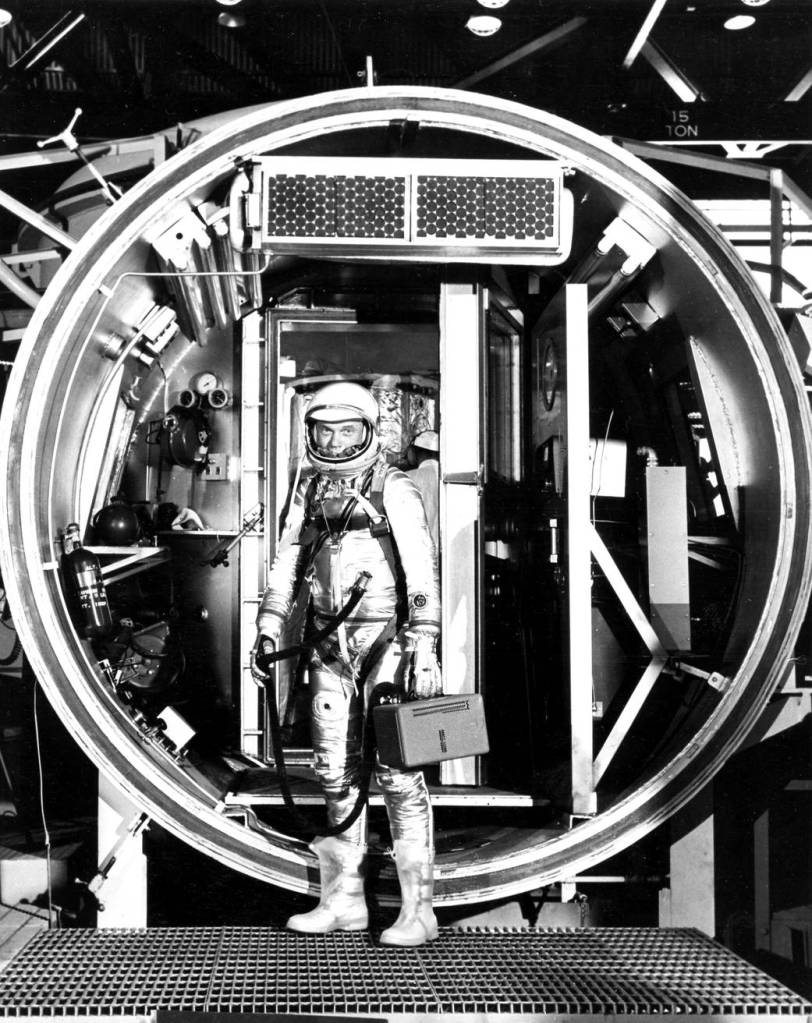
[426, 731]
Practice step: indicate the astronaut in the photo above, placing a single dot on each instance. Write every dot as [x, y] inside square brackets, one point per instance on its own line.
[359, 514]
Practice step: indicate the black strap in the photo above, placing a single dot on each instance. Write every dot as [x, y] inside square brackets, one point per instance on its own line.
[368, 744]
[265, 657]
[381, 530]
[302, 822]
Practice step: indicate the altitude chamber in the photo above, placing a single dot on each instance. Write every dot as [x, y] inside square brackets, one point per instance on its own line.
[623, 468]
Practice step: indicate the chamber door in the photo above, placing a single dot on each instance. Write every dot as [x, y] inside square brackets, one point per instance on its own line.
[272, 450]
[480, 435]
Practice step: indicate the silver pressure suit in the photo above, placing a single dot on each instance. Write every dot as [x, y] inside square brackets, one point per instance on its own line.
[326, 544]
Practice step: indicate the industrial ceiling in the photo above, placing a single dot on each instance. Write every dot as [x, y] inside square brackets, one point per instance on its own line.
[662, 71]
[619, 67]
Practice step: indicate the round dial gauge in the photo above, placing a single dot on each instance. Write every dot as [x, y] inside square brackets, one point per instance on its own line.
[204, 382]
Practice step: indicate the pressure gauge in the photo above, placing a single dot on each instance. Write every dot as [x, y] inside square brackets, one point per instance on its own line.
[204, 382]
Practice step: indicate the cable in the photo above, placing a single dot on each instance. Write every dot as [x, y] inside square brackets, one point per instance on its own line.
[598, 461]
[159, 364]
[336, 41]
[45, 832]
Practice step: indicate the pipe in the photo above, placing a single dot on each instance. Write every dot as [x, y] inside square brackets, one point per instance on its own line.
[18, 287]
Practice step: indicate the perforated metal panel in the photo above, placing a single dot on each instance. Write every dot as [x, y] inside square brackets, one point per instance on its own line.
[486, 209]
[253, 969]
[335, 206]
[431, 207]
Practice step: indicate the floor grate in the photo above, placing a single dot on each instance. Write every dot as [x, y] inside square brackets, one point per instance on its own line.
[591, 971]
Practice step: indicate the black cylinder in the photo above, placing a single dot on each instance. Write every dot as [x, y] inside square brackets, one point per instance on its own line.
[83, 576]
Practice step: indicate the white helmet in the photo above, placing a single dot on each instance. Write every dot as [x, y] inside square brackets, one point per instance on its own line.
[335, 403]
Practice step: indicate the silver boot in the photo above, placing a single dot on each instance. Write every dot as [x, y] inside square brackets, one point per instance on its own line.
[416, 923]
[342, 906]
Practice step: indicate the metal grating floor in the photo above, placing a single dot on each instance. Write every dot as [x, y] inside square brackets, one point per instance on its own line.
[593, 971]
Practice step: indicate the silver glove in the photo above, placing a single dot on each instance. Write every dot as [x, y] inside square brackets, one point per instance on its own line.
[425, 678]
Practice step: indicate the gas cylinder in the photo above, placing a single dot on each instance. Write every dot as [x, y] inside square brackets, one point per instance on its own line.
[84, 575]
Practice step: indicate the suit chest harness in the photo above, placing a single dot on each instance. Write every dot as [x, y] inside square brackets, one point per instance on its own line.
[328, 519]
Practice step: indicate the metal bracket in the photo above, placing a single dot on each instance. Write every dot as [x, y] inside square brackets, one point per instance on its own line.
[638, 250]
[572, 820]
[175, 244]
[715, 679]
[470, 479]
[94, 886]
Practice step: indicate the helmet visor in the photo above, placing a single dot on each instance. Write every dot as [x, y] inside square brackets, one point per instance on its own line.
[337, 440]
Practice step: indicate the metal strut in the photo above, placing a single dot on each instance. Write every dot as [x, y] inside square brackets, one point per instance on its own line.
[68, 139]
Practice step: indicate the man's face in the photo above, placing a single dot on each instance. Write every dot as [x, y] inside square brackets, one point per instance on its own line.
[336, 439]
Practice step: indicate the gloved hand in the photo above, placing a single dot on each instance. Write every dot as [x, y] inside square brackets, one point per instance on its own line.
[187, 518]
[425, 678]
[266, 633]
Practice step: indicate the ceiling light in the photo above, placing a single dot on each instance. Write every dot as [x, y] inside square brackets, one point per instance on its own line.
[229, 3]
[755, 3]
[739, 21]
[483, 24]
[6, 17]
[493, 5]
[231, 20]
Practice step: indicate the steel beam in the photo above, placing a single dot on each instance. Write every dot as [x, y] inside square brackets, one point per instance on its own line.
[776, 234]
[801, 87]
[33, 218]
[645, 31]
[579, 562]
[117, 35]
[18, 287]
[40, 47]
[543, 42]
[675, 78]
